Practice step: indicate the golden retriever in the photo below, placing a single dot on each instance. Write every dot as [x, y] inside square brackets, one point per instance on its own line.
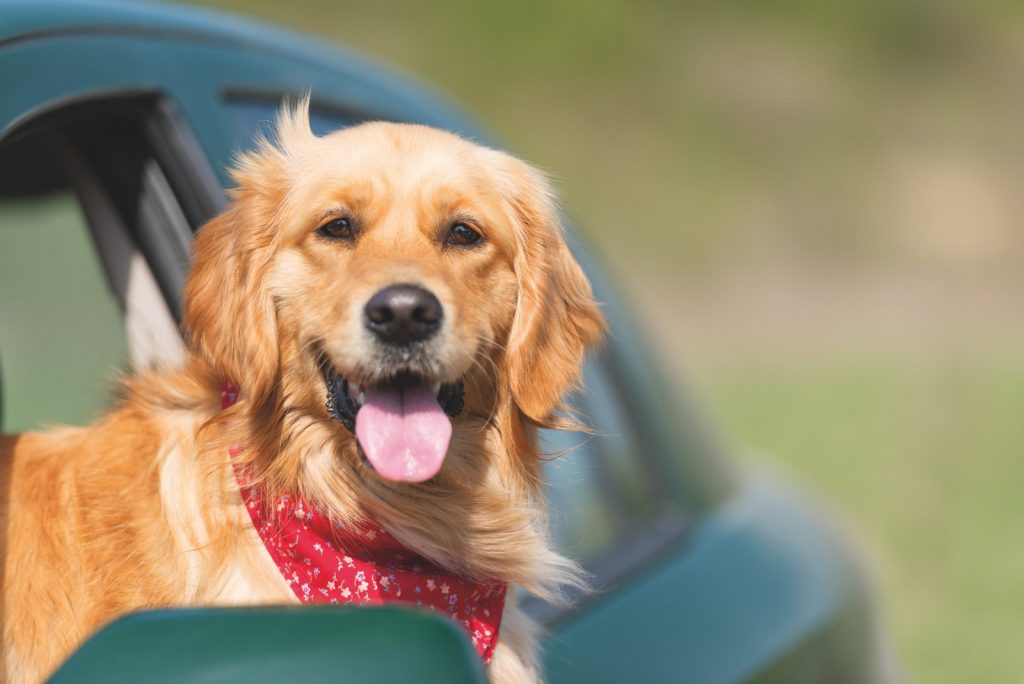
[394, 262]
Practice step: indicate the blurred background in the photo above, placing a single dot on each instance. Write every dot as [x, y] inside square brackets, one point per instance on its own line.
[818, 208]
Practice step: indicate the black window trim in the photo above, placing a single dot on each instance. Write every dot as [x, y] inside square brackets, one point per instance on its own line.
[183, 161]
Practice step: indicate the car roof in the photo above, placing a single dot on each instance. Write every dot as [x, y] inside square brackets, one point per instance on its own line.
[27, 20]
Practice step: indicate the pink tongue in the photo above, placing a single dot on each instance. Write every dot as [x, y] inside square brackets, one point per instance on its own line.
[403, 432]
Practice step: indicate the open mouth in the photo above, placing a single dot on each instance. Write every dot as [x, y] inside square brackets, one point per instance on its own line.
[402, 425]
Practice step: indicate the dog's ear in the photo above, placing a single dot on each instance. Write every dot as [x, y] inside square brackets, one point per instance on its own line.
[556, 317]
[229, 314]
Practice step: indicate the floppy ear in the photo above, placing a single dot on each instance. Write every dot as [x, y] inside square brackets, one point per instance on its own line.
[229, 316]
[556, 318]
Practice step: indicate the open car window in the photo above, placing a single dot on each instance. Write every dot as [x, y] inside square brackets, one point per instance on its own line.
[93, 249]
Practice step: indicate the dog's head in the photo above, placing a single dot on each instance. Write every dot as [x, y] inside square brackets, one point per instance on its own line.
[402, 260]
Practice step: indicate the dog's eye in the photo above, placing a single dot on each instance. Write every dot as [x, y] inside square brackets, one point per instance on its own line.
[461, 235]
[338, 229]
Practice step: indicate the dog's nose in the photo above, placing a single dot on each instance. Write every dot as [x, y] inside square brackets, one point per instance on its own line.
[400, 314]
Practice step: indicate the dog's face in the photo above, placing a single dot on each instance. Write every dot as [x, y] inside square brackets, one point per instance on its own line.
[406, 262]
[398, 256]
[396, 263]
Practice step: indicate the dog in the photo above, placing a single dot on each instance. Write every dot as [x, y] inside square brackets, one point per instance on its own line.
[377, 326]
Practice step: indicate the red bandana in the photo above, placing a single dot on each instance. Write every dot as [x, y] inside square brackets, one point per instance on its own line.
[326, 563]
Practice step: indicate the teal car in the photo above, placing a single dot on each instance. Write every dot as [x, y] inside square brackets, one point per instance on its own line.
[118, 122]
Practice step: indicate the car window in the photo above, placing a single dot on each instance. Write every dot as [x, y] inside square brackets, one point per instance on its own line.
[93, 250]
[61, 333]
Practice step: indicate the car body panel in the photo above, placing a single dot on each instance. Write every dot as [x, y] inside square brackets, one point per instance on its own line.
[196, 75]
[762, 573]
[273, 645]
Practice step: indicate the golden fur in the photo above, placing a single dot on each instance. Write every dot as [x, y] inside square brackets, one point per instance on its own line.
[140, 509]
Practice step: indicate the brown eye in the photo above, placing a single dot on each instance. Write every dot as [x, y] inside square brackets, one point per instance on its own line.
[462, 235]
[338, 229]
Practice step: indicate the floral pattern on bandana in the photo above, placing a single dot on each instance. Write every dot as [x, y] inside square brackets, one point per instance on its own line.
[327, 563]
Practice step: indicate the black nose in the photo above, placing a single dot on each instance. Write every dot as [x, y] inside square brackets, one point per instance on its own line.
[400, 314]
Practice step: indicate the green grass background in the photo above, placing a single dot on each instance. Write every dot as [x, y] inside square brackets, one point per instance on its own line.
[817, 208]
